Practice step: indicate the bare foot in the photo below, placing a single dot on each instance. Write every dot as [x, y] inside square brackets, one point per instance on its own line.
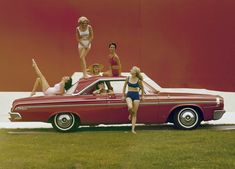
[133, 131]
[32, 94]
[34, 63]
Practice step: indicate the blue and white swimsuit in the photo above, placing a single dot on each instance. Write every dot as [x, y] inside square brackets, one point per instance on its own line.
[134, 95]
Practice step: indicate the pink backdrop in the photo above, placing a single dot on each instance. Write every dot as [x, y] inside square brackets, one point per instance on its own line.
[183, 43]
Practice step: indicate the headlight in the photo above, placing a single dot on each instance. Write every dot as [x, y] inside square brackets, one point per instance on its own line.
[217, 101]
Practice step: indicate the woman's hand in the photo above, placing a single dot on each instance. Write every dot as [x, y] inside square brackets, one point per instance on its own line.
[124, 97]
[142, 98]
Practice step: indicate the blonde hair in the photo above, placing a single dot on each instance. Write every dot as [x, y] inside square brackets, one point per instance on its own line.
[137, 71]
[82, 19]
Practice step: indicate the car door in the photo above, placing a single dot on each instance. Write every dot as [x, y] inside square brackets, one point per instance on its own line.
[117, 107]
[118, 112]
[148, 109]
[92, 109]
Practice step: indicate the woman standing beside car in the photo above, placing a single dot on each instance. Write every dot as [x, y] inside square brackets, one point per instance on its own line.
[132, 97]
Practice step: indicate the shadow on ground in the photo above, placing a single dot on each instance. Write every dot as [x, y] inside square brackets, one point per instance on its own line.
[122, 128]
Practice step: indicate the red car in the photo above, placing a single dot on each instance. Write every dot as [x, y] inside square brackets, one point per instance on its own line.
[80, 107]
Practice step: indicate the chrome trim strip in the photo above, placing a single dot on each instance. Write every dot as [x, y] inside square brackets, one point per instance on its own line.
[15, 116]
[188, 102]
[116, 104]
[85, 105]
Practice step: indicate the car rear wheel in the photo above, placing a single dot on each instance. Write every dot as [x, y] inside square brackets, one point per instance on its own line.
[187, 118]
[65, 122]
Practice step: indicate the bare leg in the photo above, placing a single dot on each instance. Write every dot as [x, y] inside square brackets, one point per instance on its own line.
[134, 115]
[109, 85]
[43, 80]
[83, 53]
[107, 73]
[130, 107]
[36, 84]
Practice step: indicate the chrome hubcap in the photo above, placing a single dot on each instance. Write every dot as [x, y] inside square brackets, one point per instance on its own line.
[64, 120]
[188, 117]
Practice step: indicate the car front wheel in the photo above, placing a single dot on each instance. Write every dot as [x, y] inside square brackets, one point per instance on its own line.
[187, 118]
[65, 122]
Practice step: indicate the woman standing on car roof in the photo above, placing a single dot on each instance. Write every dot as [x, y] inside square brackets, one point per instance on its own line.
[84, 34]
[135, 84]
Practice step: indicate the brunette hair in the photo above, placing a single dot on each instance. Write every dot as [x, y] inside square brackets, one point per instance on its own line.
[114, 44]
[97, 85]
[68, 84]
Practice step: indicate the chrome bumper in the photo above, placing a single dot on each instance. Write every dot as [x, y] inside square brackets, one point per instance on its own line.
[218, 114]
[14, 116]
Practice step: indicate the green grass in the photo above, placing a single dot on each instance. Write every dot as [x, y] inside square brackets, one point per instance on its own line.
[153, 147]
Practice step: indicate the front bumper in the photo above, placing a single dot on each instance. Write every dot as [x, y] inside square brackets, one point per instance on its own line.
[14, 116]
[218, 114]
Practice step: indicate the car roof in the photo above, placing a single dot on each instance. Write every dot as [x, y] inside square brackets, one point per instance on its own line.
[83, 83]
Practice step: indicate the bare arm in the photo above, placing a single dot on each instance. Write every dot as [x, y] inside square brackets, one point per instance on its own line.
[77, 35]
[119, 65]
[124, 87]
[91, 34]
[142, 88]
[96, 92]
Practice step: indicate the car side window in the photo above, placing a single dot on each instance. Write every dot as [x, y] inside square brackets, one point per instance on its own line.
[117, 85]
[89, 90]
[72, 89]
[94, 87]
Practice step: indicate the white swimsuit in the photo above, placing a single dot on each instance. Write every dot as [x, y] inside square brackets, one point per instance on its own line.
[84, 38]
[53, 90]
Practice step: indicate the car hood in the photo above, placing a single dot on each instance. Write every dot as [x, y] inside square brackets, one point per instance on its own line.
[190, 91]
[41, 100]
[190, 94]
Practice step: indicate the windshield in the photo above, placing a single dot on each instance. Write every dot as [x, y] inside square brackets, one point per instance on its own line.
[72, 89]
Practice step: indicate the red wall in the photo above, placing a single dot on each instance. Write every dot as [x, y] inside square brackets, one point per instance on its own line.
[183, 43]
